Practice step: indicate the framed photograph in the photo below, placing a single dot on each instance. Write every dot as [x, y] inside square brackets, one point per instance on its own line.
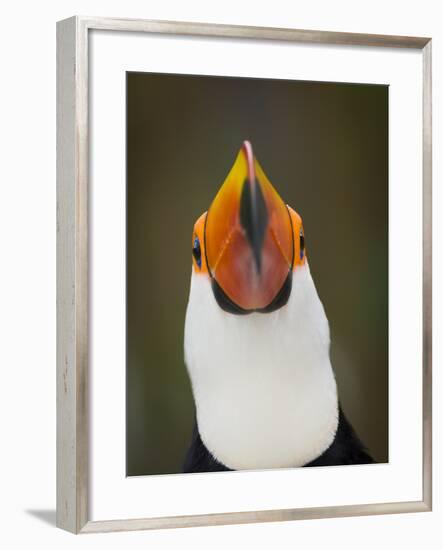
[244, 274]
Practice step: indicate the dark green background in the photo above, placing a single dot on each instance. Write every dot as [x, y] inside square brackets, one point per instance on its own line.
[324, 146]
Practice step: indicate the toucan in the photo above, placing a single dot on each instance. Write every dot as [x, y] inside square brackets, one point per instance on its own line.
[257, 339]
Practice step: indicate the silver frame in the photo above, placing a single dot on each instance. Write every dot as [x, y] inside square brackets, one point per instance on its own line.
[72, 271]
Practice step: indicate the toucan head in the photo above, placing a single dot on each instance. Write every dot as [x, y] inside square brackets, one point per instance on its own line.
[249, 242]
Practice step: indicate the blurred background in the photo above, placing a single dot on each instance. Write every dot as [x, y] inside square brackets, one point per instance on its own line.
[324, 146]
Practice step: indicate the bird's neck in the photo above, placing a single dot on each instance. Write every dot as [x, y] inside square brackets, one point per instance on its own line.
[263, 385]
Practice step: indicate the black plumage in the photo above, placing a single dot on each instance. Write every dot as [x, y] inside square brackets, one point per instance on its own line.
[345, 449]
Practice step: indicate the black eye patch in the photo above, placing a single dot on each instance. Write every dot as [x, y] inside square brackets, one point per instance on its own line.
[196, 252]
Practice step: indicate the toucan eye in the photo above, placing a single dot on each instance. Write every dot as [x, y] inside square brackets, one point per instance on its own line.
[302, 244]
[196, 252]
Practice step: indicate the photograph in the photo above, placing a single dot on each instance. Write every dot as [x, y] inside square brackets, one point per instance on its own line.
[256, 273]
[220, 289]
[244, 275]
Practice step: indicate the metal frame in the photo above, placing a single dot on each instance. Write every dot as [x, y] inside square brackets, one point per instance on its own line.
[72, 271]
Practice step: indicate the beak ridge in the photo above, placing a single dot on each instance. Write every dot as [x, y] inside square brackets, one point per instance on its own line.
[254, 218]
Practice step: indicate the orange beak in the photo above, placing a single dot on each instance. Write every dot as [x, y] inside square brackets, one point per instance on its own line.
[249, 239]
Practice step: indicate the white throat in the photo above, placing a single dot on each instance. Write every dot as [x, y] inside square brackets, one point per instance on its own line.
[263, 384]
